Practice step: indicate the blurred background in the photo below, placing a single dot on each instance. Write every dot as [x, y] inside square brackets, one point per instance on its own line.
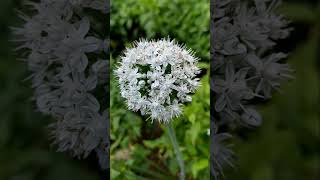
[285, 147]
[25, 150]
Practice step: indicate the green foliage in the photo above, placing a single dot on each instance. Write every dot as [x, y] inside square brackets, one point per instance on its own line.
[185, 20]
[142, 150]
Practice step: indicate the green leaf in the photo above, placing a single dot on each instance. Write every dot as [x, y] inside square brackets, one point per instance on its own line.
[198, 166]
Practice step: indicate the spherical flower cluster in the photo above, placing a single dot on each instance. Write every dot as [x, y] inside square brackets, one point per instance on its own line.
[156, 77]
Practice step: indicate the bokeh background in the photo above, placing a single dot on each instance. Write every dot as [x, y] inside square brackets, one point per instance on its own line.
[285, 147]
[25, 150]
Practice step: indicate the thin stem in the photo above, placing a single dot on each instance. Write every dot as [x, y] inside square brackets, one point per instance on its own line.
[173, 139]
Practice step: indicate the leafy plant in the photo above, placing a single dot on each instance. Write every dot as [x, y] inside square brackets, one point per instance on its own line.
[185, 20]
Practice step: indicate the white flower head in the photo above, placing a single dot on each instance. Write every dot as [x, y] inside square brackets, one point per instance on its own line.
[156, 77]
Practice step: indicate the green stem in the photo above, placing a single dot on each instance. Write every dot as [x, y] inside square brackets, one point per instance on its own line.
[173, 139]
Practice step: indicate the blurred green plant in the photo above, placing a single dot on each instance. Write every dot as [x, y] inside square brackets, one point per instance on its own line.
[185, 20]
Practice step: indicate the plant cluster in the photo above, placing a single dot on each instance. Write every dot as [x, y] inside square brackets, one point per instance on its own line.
[69, 72]
[245, 69]
[156, 77]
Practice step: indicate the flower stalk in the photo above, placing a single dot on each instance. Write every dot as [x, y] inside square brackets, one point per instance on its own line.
[178, 153]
